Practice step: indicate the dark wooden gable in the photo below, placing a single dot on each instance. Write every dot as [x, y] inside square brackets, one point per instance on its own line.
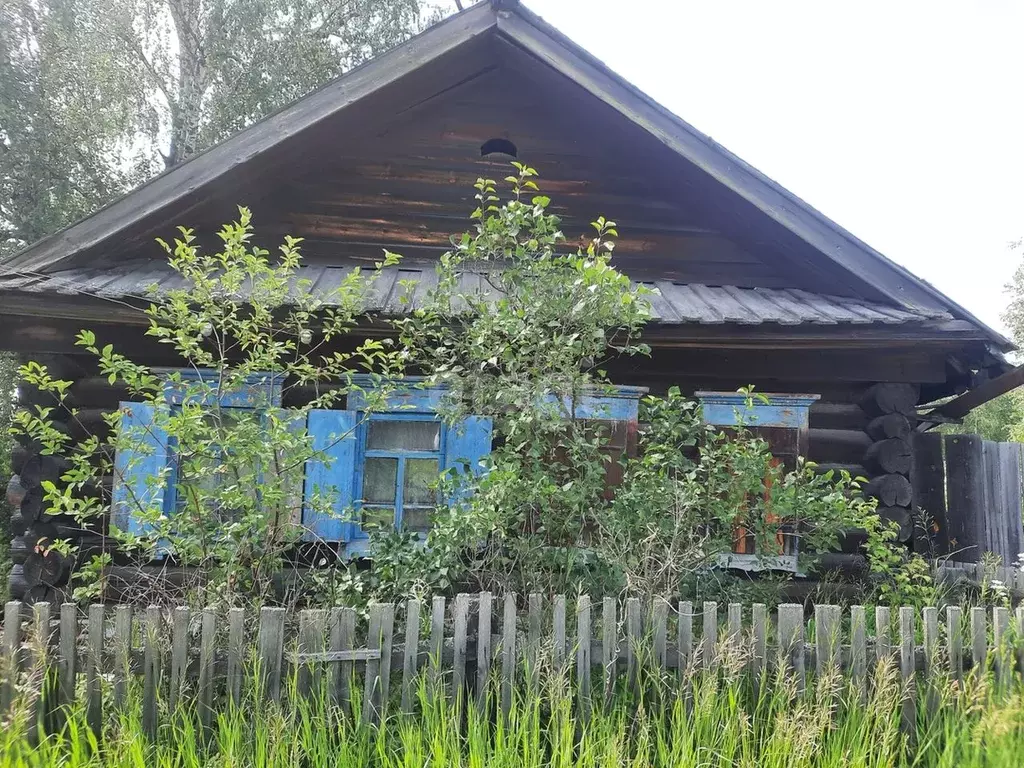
[406, 185]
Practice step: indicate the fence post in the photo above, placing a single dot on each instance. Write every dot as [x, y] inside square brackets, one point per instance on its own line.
[460, 632]
[483, 647]
[759, 631]
[558, 632]
[207, 658]
[236, 654]
[826, 637]
[710, 635]
[122, 652]
[859, 650]
[179, 653]
[954, 642]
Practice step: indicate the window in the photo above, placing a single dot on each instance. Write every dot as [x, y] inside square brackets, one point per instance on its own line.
[382, 467]
[373, 469]
[146, 470]
[782, 421]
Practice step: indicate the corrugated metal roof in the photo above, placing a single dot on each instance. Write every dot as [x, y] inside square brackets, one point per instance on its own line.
[672, 304]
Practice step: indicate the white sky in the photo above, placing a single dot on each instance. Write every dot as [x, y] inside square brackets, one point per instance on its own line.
[900, 120]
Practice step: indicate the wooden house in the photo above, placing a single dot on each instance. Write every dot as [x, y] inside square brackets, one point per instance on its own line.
[755, 287]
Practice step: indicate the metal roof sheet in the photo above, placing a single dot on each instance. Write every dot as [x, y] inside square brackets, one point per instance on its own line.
[673, 304]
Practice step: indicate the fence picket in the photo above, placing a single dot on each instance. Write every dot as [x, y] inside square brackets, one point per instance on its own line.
[954, 642]
[684, 637]
[1000, 645]
[311, 644]
[859, 650]
[12, 643]
[930, 635]
[906, 618]
[151, 665]
[483, 647]
[460, 632]
[94, 669]
[207, 658]
[634, 635]
[236, 653]
[42, 658]
[122, 652]
[710, 630]
[609, 645]
[583, 650]
[659, 631]
[534, 608]
[387, 644]
[883, 628]
[759, 641]
[979, 640]
[343, 633]
[179, 652]
[735, 625]
[410, 659]
[508, 652]
[791, 640]
[68, 653]
[826, 637]
[436, 641]
[558, 632]
[271, 649]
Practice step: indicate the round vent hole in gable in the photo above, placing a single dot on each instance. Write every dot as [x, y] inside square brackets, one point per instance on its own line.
[498, 147]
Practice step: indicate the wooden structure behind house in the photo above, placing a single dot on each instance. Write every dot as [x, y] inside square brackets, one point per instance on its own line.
[755, 287]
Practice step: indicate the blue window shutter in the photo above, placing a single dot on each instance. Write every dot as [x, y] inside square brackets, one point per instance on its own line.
[333, 434]
[140, 479]
[468, 442]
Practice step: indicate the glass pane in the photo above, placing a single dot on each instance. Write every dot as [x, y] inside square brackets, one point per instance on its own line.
[420, 474]
[380, 479]
[416, 519]
[378, 517]
[404, 436]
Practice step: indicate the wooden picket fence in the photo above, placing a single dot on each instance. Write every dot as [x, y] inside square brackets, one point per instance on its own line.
[472, 645]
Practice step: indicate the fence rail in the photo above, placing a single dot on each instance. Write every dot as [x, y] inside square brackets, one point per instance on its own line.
[466, 644]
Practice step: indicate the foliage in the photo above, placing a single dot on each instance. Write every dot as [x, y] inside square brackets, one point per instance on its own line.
[900, 577]
[96, 96]
[237, 474]
[526, 350]
[8, 373]
[720, 719]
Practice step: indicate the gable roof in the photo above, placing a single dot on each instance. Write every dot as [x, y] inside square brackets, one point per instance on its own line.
[514, 25]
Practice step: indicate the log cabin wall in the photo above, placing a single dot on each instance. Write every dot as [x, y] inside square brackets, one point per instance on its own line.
[849, 428]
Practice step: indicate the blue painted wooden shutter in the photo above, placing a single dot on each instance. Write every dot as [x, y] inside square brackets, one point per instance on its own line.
[468, 442]
[333, 434]
[140, 479]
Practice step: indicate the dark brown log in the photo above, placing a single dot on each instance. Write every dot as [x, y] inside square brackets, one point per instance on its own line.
[841, 446]
[19, 455]
[18, 524]
[15, 491]
[891, 490]
[825, 415]
[40, 467]
[49, 568]
[97, 392]
[55, 528]
[890, 397]
[892, 455]
[839, 561]
[43, 593]
[888, 426]
[32, 504]
[902, 517]
[86, 422]
[20, 549]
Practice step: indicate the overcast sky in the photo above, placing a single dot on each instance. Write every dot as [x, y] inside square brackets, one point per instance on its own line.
[901, 120]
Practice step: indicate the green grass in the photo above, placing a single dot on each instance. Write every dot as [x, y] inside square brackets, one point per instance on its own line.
[721, 719]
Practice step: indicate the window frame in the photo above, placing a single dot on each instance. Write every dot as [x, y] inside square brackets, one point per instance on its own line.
[363, 452]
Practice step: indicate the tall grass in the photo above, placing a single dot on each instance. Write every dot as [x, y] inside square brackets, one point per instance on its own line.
[710, 720]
